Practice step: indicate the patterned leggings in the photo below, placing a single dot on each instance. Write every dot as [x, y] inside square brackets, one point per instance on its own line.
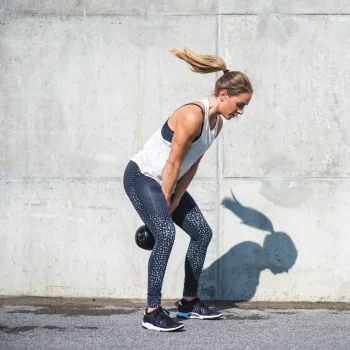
[148, 199]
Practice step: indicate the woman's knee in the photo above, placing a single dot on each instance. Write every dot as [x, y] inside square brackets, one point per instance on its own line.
[207, 234]
[166, 235]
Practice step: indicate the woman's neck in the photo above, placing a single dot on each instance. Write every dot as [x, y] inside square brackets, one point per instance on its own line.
[213, 107]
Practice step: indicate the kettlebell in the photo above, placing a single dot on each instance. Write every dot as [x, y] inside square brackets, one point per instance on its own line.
[144, 238]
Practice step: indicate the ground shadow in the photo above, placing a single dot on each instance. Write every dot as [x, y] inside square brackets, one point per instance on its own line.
[235, 276]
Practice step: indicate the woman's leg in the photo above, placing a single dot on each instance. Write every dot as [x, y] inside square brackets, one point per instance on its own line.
[148, 199]
[190, 218]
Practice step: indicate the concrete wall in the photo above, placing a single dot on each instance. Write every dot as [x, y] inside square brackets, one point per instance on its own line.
[84, 83]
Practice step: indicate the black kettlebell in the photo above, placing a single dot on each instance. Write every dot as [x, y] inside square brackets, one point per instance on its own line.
[144, 238]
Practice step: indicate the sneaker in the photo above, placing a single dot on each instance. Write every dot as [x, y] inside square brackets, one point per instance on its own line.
[196, 309]
[159, 320]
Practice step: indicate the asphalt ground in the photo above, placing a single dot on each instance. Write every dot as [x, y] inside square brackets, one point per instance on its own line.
[56, 323]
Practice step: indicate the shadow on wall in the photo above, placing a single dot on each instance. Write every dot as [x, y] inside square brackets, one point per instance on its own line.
[239, 269]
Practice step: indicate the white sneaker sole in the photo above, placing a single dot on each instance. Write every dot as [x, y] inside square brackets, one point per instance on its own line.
[159, 329]
[195, 315]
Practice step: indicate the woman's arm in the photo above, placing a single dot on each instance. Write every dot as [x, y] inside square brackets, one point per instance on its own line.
[182, 185]
[185, 180]
[187, 127]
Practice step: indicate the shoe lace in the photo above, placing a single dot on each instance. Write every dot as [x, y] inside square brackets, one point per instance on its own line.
[163, 313]
[203, 306]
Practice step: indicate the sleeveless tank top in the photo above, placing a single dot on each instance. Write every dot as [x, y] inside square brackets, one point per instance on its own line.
[152, 158]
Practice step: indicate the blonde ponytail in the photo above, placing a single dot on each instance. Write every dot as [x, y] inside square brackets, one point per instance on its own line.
[200, 63]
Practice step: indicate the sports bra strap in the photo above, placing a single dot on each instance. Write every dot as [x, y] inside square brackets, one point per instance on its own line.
[196, 104]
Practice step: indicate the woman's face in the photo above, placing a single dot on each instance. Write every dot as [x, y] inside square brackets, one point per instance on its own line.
[231, 106]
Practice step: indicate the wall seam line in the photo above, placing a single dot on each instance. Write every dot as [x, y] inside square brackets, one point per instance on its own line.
[217, 211]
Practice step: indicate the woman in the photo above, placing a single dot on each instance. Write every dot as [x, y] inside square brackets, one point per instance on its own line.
[157, 177]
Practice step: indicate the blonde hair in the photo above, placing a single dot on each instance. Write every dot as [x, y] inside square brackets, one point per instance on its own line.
[234, 82]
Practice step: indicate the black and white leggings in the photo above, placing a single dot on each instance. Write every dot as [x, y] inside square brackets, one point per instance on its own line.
[147, 197]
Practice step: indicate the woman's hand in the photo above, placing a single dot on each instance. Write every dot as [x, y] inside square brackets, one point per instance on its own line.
[167, 199]
[174, 202]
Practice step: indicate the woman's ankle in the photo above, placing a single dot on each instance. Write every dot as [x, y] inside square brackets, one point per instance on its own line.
[150, 309]
[188, 298]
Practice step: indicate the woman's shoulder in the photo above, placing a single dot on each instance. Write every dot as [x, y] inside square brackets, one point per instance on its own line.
[197, 103]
